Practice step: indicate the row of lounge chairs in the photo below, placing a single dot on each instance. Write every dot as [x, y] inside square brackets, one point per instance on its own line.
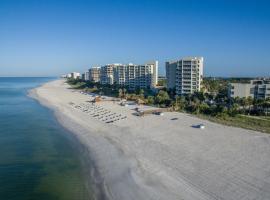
[99, 112]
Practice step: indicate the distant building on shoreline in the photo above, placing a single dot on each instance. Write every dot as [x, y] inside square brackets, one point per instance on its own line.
[185, 75]
[130, 75]
[257, 89]
[75, 75]
[94, 74]
[85, 76]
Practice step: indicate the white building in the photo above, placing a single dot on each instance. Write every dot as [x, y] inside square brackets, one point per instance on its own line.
[136, 76]
[257, 89]
[154, 66]
[86, 76]
[75, 75]
[94, 74]
[185, 75]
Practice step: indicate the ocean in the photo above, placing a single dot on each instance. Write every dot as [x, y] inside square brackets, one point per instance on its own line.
[39, 159]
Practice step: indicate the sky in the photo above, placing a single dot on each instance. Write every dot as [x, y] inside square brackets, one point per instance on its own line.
[54, 37]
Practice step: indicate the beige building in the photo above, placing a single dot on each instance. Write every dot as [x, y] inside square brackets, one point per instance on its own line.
[185, 75]
[137, 76]
[94, 74]
[107, 73]
[154, 67]
[258, 89]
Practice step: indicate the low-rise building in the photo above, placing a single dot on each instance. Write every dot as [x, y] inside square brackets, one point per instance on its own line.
[257, 89]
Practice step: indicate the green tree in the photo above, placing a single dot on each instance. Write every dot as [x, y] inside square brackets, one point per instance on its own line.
[200, 96]
[150, 100]
[179, 103]
[162, 97]
[266, 106]
[233, 110]
[195, 106]
[141, 93]
[244, 103]
[249, 102]
[204, 108]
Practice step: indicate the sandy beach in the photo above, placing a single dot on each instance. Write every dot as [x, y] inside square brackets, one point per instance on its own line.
[162, 157]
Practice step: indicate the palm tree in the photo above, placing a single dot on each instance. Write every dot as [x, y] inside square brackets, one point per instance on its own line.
[194, 105]
[249, 102]
[179, 103]
[266, 106]
[234, 109]
[244, 103]
[200, 96]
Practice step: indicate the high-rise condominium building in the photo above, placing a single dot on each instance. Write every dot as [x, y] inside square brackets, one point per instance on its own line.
[154, 66]
[185, 75]
[85, 76]
[137, 76]
[107, 74]
[75, 75]
[94, 74]
[257, 89]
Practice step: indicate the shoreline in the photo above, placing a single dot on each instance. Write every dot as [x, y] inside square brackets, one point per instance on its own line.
[93, 182]
[101, 190]
[155, 158]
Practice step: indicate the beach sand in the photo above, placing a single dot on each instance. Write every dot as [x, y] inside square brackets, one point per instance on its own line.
[155, 157]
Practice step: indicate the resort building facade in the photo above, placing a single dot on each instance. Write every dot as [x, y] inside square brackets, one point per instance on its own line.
[185, 75]
[94, 74]
[130, 75]
[107, 74]
[85, 76]
[137, 76]
[75, 75]
[257, 89]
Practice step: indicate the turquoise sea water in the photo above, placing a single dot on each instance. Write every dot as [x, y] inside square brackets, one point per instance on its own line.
[39, 159]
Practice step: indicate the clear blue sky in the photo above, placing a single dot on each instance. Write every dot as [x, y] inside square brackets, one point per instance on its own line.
[50, 37]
